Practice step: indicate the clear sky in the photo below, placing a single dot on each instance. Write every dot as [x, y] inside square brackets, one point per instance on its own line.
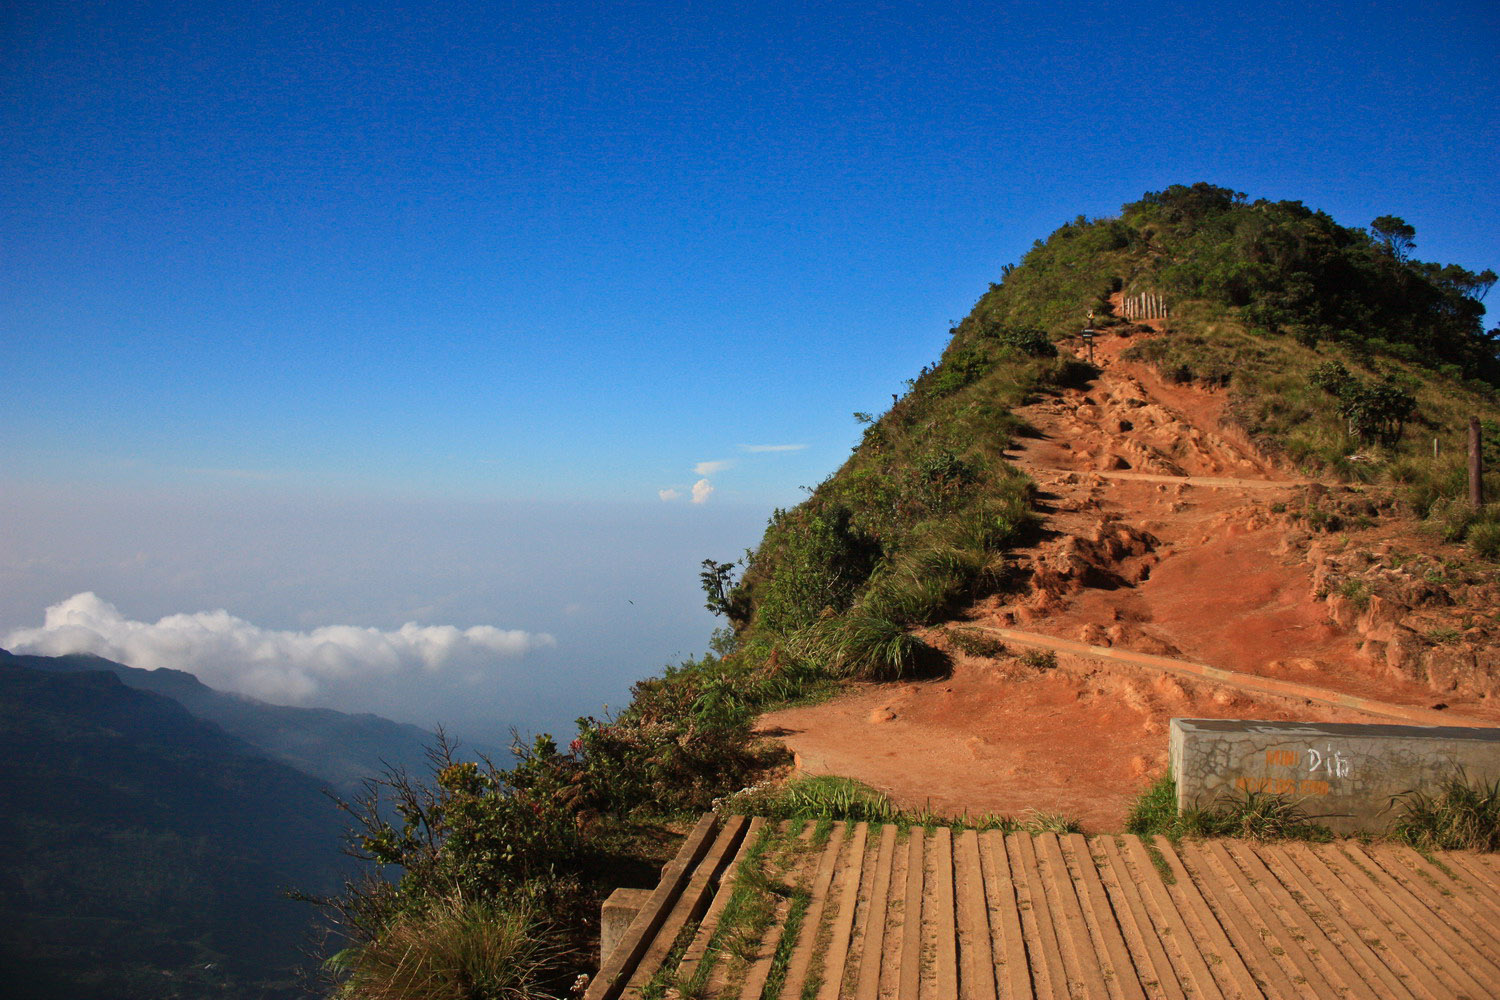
[495, 278]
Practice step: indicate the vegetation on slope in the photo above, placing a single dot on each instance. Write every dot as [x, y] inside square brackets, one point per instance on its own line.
[917, 523]
[1265, 295]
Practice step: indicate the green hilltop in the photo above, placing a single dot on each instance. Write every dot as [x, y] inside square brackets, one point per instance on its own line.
[1328, 339]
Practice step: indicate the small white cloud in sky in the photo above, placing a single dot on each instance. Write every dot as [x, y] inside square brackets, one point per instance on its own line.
[232, 654]
[702, 490]
[757, 448]
[668, 495]
[709, 468]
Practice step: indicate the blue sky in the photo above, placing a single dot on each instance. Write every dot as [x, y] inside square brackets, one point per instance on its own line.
[552, 257]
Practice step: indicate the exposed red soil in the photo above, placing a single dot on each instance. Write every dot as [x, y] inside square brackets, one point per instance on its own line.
[1207, 573]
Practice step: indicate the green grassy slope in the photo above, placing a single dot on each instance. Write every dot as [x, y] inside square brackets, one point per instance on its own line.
[1263, 295]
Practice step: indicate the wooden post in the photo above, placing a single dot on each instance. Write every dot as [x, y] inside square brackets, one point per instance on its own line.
[1476, 465]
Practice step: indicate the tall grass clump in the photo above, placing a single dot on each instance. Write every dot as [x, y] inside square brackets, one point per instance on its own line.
[1155, 809]
[817, 797]
[451, 949]
[1252, 815]
[828, 798]
[1461, 815]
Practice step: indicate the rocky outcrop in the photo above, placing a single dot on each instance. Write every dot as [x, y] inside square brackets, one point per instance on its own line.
[1115, 555]
[1424, 620]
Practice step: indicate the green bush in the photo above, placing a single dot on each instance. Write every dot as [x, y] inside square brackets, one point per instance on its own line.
[1332, 377]
[965, 367]
[475, 829]
[1484, 540]
[1039, 659]
[685, 739]
[1029, 340]
[814, 558]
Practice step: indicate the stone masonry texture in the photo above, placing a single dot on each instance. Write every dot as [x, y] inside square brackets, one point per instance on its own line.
[1344, 776]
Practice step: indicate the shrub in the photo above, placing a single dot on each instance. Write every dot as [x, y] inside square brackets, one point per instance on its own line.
[1461, 815]
[814, 558]
[1376, 412]
[1484, 540]
[475, 828]
[685, 739]
[1028, 340]
[1332, 377]
[1039, 659]
[869, 642]
[977, 643]
[961, 369]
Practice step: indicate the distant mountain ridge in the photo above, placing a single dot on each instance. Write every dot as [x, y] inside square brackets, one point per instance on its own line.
[339, 748]
[144, 852]
[151, 824]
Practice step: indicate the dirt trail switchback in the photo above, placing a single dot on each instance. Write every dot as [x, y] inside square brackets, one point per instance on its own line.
[1161, 537]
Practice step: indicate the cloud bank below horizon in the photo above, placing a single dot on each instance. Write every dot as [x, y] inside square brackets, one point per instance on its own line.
[284, 667]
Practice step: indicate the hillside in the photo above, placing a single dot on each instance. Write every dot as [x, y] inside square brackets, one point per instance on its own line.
[1262, 295]
[1247, 483]
[1011, 486]
[335, 747]
[1219, 485]
[141, 843]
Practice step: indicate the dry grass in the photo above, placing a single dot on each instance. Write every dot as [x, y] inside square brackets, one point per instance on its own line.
[455, 949]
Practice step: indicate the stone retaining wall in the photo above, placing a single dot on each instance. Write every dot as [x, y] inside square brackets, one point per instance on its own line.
[1343, 774]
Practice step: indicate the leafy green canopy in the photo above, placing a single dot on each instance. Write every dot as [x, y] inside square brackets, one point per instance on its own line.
[1290, 268]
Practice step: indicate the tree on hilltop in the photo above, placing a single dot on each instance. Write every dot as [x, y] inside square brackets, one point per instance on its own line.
[1396, 235]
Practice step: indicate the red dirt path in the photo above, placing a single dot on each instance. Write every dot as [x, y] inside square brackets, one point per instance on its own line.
[1206, 574]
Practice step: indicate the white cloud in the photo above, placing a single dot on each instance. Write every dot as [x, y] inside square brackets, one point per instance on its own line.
[668, 495]
[702, 490]
[279, 666]
[757, 448]
[709, 468]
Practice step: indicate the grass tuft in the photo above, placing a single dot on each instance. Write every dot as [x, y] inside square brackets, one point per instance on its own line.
[1252, 815]
[1462, 815]
[455, 949]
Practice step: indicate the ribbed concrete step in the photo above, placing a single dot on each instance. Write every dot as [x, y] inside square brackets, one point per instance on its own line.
[787, 911]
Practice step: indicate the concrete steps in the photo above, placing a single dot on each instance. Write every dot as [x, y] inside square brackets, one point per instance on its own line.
[876, 913]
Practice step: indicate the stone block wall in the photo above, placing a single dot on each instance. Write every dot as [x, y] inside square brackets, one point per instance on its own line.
[1343, 775]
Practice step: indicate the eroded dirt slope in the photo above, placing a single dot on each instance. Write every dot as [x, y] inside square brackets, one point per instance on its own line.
[1166, 532]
